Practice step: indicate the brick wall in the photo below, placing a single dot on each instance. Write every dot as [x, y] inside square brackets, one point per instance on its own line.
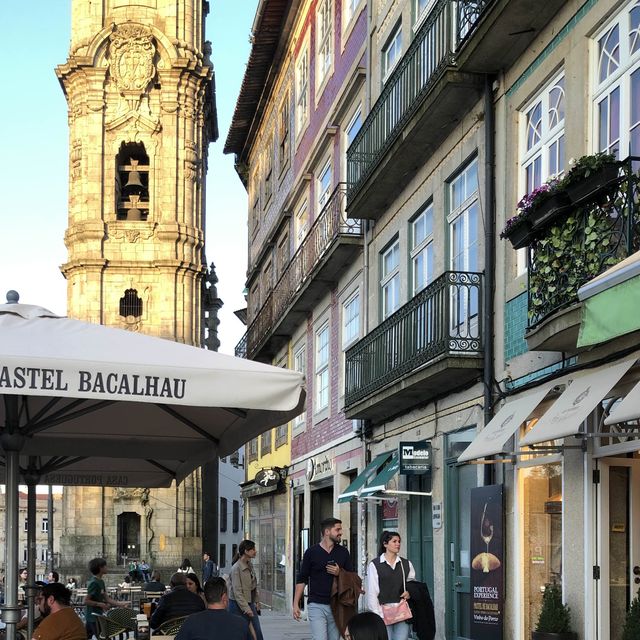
[335, 425]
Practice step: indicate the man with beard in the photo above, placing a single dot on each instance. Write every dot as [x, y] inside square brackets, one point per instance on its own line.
[59, 620]
[320, 564]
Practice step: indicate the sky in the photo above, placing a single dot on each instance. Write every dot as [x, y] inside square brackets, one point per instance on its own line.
[34, 156]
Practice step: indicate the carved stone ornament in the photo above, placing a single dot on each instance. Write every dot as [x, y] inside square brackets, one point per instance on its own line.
[131, 62]
[124, 493]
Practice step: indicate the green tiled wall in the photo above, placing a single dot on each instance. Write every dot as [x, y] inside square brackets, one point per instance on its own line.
[515, 323]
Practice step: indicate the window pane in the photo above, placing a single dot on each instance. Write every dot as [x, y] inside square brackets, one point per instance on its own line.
[354, 127]
[534, 126]
[609, 53]
[634, 31]
[556, 104]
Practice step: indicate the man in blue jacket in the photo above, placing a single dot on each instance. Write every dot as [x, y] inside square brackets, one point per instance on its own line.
[177, 603]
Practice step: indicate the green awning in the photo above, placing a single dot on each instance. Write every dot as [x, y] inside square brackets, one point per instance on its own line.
[610, 313]
[370, 471]
[381, 481]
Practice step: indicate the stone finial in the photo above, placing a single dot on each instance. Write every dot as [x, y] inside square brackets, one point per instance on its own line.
[12, 297]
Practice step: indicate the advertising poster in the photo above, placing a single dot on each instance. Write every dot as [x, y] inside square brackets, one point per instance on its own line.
[487, 562]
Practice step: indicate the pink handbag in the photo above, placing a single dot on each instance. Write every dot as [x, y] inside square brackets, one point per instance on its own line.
[397, 611]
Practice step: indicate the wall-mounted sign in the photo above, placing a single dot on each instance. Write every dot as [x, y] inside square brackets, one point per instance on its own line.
[487, 562]
[415, 457]
[268, 477]
[436, 515]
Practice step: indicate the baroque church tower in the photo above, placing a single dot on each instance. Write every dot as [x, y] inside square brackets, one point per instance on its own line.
[140, 90]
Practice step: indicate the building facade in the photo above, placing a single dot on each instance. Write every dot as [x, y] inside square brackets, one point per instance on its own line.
[43, 552]
[139, 85]
[304, 272]
[508, 366]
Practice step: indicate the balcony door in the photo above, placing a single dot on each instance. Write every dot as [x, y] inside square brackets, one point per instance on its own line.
[618, 542]
[463, 250]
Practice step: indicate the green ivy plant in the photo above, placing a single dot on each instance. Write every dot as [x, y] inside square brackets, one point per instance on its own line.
[578, 246]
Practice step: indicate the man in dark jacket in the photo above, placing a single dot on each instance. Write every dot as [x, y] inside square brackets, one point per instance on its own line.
[177, 603]
[209, 568]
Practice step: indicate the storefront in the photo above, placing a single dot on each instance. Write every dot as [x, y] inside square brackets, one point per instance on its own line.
[267, 501]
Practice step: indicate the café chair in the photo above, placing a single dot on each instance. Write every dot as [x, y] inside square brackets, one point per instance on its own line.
[108, 629]
[123, 616]
[170, 627]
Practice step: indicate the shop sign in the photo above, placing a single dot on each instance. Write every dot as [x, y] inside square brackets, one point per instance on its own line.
[268, 477]
[487, 564]
[415, 458]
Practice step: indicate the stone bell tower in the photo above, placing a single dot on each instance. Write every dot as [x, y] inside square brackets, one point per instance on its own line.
[140, 90]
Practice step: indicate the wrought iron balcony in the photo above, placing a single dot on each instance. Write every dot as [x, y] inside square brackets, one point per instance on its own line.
[443, 321]
[437, 81]
[326, 249]
[431, 51]
[241, 348]
[581, 242]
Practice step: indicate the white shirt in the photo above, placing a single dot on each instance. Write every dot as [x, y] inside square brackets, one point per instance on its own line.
[373, 585]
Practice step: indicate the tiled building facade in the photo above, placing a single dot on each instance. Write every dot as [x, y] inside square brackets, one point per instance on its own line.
[462, 342]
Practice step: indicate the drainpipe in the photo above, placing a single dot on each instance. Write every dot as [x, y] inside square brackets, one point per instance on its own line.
[489, 259]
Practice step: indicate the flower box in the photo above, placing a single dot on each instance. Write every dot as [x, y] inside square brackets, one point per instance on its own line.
[594, 183]
[519, 235]
[549, 209]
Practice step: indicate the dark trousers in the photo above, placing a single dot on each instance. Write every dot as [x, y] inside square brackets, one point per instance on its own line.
[255, 621]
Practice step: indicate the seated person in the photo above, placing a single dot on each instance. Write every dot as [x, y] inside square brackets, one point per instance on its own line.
[209, 624]
[177, 603]
[72, 584]
[155, 585]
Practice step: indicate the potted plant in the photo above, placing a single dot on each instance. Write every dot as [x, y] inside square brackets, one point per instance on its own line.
[590, 174]
[632, 621]
[534, 210]
[554, 622]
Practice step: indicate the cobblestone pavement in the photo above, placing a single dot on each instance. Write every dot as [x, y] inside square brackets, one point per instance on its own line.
[281, 626]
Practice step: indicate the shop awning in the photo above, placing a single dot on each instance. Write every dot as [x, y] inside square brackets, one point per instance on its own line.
[491, 440]
[380, 484]
[628, 409]
[610, 303]
[577, 401]
[369, 472]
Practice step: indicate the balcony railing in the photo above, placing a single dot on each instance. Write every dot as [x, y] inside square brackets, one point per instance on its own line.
[331, 224]
[241, 347]
[432, 49]
[582, 242]
[444, 318]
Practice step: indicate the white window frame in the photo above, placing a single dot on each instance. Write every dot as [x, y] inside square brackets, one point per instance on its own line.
[349, 136]
[618, 80]
[300, 365]
[550, 142]
[324, 190]
[351, 319]
[390, 280]
[322, 353]
[466, 322]
[419, 14]
[284, 133]
[45, 525]
[302, 89]
[301, 223]
[393, 45]
[324, 43]
[268, 171]
[424, 248]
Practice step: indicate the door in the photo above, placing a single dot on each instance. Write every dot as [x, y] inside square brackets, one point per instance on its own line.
[421, 529]
[459, 482]
[618, 542]
[129, 535]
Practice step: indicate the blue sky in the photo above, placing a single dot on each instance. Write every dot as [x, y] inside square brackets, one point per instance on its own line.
[34, 161]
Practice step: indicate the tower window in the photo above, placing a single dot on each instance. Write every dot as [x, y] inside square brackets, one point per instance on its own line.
[132, 182]
[130, 304]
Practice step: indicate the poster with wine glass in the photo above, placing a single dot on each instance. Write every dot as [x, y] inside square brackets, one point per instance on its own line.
[487, 562]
